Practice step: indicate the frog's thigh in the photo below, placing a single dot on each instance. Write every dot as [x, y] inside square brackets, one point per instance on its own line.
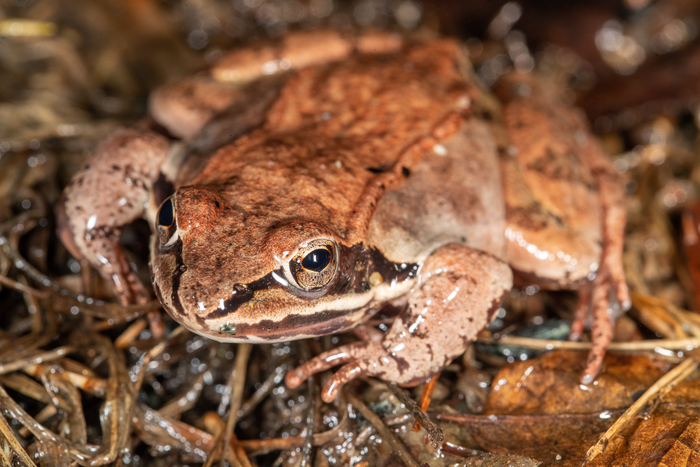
[554, 229]
[542, 249]
[453, 195]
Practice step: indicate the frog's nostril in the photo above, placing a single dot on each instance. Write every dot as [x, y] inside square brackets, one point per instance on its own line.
[240, 289]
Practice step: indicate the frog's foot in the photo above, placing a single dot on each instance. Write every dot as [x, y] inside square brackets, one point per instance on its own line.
[114, 266]
[608, 297]
[128, 287]
[359, 359]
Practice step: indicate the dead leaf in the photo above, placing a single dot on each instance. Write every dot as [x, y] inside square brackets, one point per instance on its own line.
[550, 384]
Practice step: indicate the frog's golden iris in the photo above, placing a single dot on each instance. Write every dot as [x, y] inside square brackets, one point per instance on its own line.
[314, 265]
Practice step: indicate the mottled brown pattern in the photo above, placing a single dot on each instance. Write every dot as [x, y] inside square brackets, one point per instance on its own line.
[375, 110]
[550, 190]
[383, 149]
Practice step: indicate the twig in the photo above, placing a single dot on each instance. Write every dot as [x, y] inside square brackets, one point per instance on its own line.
[131, 333]
[36, 359]
[157, 349]
[314, 402]
[387, 435]
[9, 407]
[239, 450]
[435, 435]
[425, 398]
[263, 446]
[8, 435]
[273, 379]
[89, 384]
[549, 344]
[116, 314]
[658, 390]
[237, 383]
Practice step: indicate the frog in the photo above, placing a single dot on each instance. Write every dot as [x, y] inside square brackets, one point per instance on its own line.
[297, 187]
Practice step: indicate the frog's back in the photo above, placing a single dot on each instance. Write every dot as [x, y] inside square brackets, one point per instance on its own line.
[388, 137]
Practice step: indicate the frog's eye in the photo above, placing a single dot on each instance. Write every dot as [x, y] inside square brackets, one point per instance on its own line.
[166, 224]
[317, 260]
[314, 265]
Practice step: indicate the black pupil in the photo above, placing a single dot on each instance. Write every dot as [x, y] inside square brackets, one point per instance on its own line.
[165, 215]
[317, 260]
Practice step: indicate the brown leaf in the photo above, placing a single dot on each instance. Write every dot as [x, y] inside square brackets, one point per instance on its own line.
[668, 436]
[686, 449]
[550, 384]
[538, 408]
[560, 440]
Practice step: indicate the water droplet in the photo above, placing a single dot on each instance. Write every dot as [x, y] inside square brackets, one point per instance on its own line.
[228, 328]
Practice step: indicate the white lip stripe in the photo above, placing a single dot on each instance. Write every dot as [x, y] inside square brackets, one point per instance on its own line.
[383, 293]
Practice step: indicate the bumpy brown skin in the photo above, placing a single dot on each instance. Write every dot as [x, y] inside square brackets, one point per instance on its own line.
[310, 160]
[378, 145]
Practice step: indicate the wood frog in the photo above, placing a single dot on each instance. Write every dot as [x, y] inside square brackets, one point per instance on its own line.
[296, 188]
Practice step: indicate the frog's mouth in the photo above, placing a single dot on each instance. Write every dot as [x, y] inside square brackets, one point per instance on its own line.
[326, 315]
[298, 326]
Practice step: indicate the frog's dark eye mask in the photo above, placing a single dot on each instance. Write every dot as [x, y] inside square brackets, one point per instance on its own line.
[166, 223]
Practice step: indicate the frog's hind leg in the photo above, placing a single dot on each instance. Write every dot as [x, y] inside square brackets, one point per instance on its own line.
[565, 205]
[233, 95]
[457, 293]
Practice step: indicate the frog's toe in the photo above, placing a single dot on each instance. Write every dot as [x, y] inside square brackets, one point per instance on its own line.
[137, 293]
[341, 377]
[612, 272]
[602, 332]
[373, 360]
[622, 294]
[359, 359]
[324, 361]
[583, 309]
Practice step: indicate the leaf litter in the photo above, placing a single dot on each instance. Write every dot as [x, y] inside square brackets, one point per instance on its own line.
[84, 381]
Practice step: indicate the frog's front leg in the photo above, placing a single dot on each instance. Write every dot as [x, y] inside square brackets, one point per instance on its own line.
[457, 292]
[110, 191]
